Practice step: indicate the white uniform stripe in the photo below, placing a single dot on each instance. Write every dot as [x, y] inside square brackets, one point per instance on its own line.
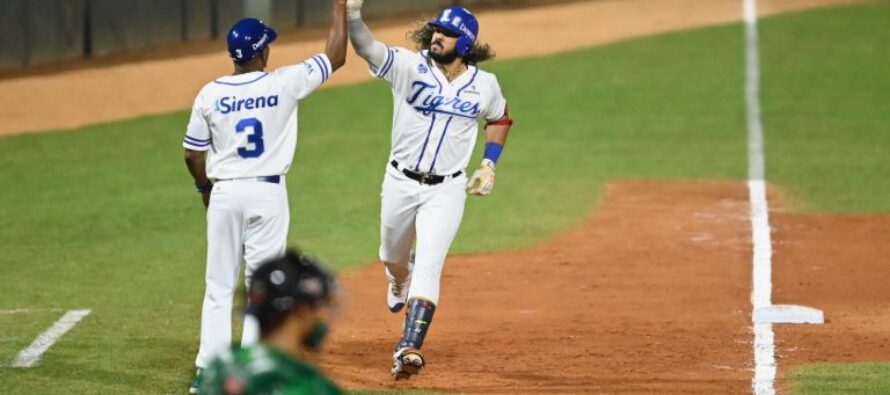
[765, 368]
[31, 355]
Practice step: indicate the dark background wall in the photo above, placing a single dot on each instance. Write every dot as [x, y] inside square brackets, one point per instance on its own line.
[45, 31]
[134, 24]
[12, 12]
[40, 31]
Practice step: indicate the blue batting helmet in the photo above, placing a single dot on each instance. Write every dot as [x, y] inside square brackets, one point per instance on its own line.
[248, 38]
[462, 22]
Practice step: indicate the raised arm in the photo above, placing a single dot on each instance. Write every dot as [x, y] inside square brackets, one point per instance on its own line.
[374, 52]
[336, 46]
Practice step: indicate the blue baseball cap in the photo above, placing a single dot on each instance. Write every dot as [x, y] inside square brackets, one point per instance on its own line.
[248, 38]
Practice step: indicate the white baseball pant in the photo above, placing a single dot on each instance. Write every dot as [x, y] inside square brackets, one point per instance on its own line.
[246, 218]
[430, 213]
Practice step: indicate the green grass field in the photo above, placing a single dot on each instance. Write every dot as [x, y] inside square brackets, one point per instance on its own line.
[826, 107]
[832, 378]
[105, 217]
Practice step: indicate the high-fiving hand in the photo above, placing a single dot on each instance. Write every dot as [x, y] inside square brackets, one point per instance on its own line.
[354, 9]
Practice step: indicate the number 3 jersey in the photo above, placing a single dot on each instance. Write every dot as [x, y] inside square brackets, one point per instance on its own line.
[248, 122]
[434, 120]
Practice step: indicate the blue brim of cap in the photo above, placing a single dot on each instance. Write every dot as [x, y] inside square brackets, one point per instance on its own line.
[272, 35]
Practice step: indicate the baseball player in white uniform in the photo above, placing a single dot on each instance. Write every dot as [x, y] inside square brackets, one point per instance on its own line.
[439, 95]
[239, 146]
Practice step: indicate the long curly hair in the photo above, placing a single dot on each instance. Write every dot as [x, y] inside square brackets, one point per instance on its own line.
[422, 36]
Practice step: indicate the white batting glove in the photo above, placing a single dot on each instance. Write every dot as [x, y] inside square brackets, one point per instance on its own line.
[482, 182]
[354, 9]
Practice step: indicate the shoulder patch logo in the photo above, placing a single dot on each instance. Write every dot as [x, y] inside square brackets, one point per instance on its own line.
[422, 69]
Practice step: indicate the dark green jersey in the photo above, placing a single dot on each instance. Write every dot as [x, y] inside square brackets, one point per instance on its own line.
[262, 370]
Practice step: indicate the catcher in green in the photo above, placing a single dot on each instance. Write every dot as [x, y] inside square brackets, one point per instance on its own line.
[291, 297]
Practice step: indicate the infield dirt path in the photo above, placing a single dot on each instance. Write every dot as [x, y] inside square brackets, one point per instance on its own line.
[87, 96]
[649, 295]
[837, 263]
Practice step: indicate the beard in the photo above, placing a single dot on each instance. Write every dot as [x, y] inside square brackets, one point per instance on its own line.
[443, 58]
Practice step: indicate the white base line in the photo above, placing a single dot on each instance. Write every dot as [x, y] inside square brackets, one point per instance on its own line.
[765, 368]
[25, 311]
[764, 343]
[31, 355]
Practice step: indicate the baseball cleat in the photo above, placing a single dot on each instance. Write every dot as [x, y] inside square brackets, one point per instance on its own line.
[396, 296]
[195, 389]
[407, 362]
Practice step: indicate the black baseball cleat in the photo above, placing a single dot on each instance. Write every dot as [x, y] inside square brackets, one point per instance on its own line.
[407, 362]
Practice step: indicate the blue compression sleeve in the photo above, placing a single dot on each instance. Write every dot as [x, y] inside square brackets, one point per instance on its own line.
[493, 151]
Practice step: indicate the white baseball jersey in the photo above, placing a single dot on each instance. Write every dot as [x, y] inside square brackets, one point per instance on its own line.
[248, 121]
[435, 121]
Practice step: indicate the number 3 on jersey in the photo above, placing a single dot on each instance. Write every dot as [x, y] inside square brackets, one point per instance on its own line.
[254, 128]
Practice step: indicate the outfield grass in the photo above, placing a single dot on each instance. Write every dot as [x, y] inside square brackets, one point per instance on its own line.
[105, 217]
[841, 379]
[826, 101]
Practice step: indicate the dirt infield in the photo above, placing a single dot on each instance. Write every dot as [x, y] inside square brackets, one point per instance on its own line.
[87, 96]
[839, 264]
[649, 295]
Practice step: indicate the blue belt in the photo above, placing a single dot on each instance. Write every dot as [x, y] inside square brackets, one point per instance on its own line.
[269, 179]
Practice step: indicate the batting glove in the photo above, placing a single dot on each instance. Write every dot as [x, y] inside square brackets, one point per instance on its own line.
[354, 9]
[482, 182]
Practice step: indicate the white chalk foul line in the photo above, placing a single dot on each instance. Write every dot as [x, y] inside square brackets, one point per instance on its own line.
[31, 355]
[763, 382]
[26, 311]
